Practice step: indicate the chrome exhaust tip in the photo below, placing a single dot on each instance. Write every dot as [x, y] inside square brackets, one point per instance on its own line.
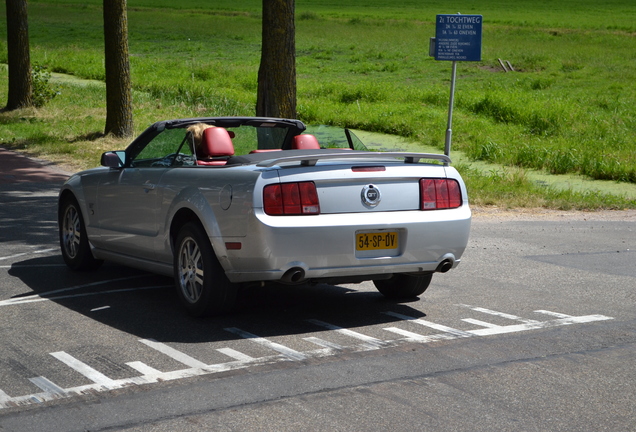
[444, 266]
[293, 275]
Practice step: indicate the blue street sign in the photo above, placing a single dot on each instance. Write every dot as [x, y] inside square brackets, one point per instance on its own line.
[458, 37]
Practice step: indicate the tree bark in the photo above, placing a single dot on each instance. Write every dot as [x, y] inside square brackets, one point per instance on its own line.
[276, 96]
[20, 79]
[119, 121]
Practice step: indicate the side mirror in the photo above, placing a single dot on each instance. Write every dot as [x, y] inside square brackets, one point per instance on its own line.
[114, 159]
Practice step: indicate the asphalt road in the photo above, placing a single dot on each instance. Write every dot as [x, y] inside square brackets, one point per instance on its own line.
[535, 330]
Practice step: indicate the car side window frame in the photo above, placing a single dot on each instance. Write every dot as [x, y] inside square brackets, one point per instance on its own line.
[165, 149]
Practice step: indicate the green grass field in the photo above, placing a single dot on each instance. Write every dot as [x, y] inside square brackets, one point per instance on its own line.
[568, 108]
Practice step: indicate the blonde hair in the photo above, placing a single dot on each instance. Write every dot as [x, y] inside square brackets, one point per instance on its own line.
[197, 132]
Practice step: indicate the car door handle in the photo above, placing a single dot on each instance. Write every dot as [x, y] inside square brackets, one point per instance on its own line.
[148, 186]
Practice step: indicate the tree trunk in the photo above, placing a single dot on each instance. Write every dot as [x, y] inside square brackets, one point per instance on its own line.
[119, 120]
[20, 80]
[276, 95]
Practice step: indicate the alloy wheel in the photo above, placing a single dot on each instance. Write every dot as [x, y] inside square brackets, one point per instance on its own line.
[71, 235]
[191, 270]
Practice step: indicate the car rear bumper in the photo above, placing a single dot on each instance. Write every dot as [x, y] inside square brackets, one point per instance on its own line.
[316, 247]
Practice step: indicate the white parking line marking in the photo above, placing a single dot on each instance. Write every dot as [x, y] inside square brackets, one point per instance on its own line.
[84, 369]
[501, 314]
[44, 295]
[554, 314]
[445, 329]
[173, 353]
[38, 298]
[43, 251]
[47, 386]
[143, 368]
[287, 352]
[195, 368]
[30, 266]
[370, 342]
[539, 325]
[13, 256]
[26, 253]
[236, 355]
[480, 323]
[416, 337]
[324, 343]
[4, 398]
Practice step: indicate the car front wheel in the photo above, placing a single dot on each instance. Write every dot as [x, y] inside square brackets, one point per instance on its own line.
[201, 283]
[74, 243]
[403, 286]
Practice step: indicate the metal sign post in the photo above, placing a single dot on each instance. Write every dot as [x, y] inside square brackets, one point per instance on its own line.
[451, 103]
[457, 38]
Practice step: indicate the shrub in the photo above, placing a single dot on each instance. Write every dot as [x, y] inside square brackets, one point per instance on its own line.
[42, 91]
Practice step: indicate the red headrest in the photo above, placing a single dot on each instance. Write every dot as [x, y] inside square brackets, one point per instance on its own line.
[305, 142]
[216, 142]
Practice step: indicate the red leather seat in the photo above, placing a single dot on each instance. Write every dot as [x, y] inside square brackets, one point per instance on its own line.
[215, 148]
[305, 142]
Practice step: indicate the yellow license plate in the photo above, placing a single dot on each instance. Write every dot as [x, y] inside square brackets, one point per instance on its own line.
[376, 241]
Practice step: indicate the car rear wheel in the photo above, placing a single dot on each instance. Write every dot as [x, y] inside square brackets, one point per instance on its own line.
[201, 283]
[401, 286]
[74, 243]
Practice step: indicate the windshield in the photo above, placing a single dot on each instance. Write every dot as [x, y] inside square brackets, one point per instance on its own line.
[335, 137]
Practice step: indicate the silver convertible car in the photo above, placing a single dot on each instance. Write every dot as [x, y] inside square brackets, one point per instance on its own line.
[220, 203]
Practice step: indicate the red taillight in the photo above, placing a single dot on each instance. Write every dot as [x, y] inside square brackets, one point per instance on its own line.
[454, 194]
[309, 198]
[273, 199]
[291, 199]
[440, 194]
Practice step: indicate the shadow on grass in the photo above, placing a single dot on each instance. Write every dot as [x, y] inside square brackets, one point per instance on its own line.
[90, 136]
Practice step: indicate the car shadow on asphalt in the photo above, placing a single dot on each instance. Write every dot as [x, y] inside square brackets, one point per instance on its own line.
[146, 305]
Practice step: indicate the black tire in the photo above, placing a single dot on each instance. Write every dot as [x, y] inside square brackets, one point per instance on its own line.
[201, 284]
[403, 286]
[74, 243]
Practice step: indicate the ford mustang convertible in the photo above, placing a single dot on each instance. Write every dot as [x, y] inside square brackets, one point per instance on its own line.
[224, 202]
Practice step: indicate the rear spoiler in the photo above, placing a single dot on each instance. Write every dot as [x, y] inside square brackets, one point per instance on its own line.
[311, 159]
